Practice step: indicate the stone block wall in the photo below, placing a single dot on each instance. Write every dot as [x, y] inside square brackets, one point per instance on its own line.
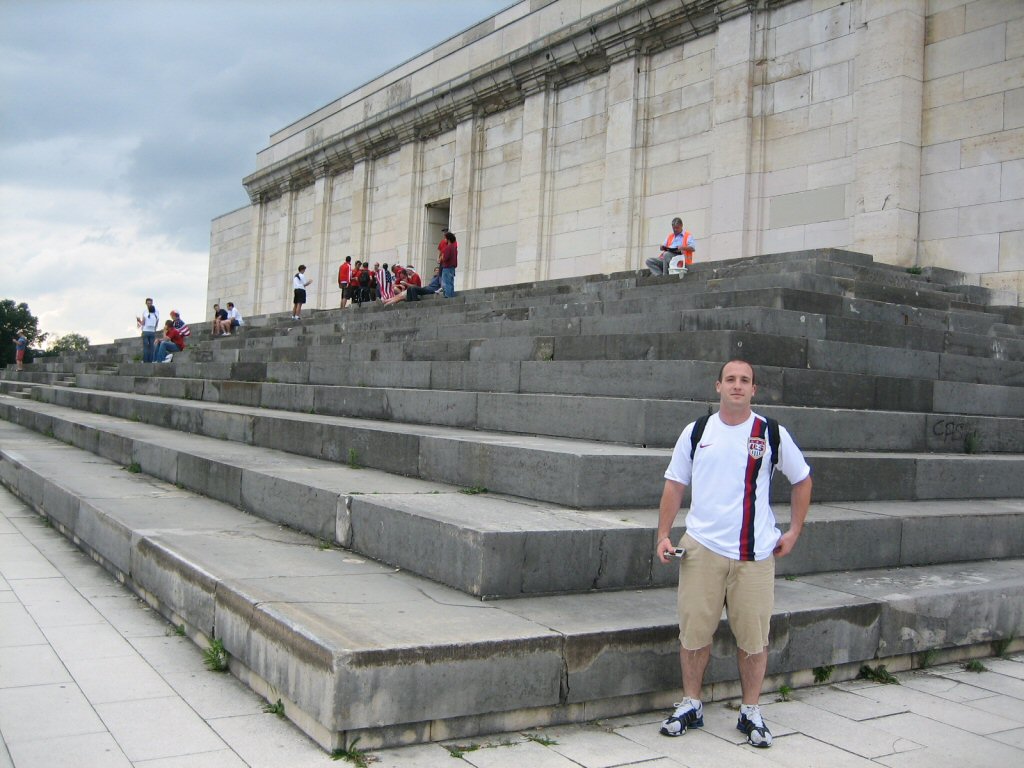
[569, 133]
[972, 175]
[229, 277]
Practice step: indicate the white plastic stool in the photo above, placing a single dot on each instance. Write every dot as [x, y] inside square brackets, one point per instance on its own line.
[677, 265]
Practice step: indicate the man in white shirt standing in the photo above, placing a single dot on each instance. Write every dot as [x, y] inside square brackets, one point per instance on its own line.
[299, 283]
[731, 541]
[148, 323]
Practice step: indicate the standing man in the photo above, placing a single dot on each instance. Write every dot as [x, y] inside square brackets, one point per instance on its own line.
[731, 541]
[679, 241]
[344, 276]
[149, 323]
[449, 261]
[20, 345]
[299, 283]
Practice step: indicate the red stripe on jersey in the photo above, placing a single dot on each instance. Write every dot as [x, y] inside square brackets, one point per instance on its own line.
[750, 494]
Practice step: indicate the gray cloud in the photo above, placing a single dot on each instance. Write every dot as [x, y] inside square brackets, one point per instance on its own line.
[133, 123]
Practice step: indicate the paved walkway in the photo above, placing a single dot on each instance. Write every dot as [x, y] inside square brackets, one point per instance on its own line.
[91, 677]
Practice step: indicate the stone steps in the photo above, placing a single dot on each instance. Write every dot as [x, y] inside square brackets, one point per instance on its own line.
[377, 429]
[413, 340]
[653, 423]
[833, 274]
[336, 637]
[573, 473]
[493, 545]
[761, 349]
[669, 380]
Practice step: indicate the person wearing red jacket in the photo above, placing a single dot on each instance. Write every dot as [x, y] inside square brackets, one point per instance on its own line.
[449, 261]
[173, 341]
[344, 276]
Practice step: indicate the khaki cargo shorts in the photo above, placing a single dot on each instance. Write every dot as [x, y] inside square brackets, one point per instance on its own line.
[708, 582]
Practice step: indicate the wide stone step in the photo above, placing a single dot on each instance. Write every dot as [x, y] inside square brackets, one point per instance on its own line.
[652, 300]
[412, 339]
[664, 379]
[577, 474]
[808, 270]
[499, 547]
[356, 649]
[654, 423]
[760, 349]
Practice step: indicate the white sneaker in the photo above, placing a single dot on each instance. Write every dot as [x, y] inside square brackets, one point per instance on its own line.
[752, 724]
[169, 358]
[688, 714]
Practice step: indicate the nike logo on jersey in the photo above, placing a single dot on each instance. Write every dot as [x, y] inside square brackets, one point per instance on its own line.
[704, 445]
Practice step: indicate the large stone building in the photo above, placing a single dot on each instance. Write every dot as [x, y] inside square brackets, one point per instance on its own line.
[559, 137]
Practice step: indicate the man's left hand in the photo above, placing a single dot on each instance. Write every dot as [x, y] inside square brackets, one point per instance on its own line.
[786, 543]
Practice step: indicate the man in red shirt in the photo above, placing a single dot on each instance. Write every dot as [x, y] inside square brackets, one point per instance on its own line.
[173, 341]
[449, 261]
[344, 276]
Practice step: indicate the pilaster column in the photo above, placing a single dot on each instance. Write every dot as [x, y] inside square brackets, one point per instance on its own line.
[286, 238]
[409, 218]
[362, 172]
[623, 150]
[730, 221]
[465, 205]
[534, 184]
[255, 293]
[322, 187]
[888, 101]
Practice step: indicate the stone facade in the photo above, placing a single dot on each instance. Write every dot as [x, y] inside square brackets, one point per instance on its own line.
[560, 138]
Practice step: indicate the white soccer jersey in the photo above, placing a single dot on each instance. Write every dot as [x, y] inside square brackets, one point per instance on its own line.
[729, 479]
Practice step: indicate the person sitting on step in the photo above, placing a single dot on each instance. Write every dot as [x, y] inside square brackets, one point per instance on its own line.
[172, 342]
[679, 242]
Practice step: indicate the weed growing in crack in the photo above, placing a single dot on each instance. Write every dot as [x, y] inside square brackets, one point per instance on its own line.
[878, 674]
[216, 656]
[824, 673]
[277, 708]
[352, 754]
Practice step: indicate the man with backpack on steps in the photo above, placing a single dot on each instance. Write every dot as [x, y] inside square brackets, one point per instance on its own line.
[731, 542]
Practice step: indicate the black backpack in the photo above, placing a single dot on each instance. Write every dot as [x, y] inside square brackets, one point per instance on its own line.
[773, 437]
[364, 278]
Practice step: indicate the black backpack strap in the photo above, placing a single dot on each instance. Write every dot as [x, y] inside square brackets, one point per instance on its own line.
[698, 430]
[773, 440]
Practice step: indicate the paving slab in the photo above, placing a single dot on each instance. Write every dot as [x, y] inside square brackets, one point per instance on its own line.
[91, 749]
[948, 745]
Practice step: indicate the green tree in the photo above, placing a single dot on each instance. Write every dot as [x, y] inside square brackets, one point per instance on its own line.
[14, 318]
[69, 342]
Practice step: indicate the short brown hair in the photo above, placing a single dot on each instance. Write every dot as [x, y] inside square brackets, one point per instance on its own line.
[753, 373]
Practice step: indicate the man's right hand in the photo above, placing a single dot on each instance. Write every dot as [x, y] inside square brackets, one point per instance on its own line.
[663, 549]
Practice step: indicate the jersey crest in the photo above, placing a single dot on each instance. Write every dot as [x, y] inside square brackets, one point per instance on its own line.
[756, 447]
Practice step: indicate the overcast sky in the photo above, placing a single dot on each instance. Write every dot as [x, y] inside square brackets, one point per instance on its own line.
[127, 125]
